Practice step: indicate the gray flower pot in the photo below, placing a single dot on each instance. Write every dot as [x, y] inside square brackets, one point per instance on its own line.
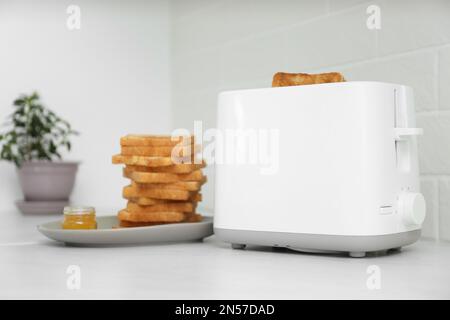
[47, 181]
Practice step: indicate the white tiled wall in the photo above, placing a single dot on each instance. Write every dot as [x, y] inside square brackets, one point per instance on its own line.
[231, 44]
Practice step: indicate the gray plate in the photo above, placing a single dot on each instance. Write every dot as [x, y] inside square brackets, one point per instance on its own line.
[41, 207]
[106, 235]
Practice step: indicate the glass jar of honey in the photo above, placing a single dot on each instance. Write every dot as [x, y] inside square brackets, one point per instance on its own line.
[81, 218]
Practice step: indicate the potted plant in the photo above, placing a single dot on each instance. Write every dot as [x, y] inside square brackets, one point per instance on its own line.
[33, 140]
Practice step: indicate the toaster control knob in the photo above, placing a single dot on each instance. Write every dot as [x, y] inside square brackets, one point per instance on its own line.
[412, 208]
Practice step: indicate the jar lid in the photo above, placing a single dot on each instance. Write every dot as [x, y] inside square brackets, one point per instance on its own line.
[79, 210]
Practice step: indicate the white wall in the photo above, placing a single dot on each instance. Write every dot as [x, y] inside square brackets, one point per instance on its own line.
[108, 79]
[229, 44]
[112, 76]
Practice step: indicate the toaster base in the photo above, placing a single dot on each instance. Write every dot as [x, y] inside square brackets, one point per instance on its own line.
[356, 246]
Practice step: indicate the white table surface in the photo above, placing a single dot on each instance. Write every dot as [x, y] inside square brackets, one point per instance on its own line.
[33, 267]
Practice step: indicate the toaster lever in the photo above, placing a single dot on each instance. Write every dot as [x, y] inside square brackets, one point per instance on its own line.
[404, 133]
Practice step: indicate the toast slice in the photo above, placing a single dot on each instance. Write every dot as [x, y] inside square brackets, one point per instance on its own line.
[180, 185]
[283, 79]
[145, 201]
[148, 201]
[162, 177]
[142, 161]
[195, 217]
[155, 140]
[166, 216]
[134, 224]
[187, 207]
[172, 194]
[175, 168]
[182, 151]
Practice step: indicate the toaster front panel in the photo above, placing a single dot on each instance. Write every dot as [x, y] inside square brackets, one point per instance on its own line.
[322, 165]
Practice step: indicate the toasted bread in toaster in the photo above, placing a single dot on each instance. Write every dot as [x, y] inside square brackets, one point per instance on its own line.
[283, 79]
[163, 207]
[162, 177]
[155, 140]
[145, 201]
[175, 168]
[172, 194]
[151, 216]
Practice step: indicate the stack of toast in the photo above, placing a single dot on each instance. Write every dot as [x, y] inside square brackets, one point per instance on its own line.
[166, 180]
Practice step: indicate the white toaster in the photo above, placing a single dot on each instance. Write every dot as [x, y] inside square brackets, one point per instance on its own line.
[319, 168]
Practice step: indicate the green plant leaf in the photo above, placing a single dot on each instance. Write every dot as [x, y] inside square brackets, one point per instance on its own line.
[19, 102]
[36, 132]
